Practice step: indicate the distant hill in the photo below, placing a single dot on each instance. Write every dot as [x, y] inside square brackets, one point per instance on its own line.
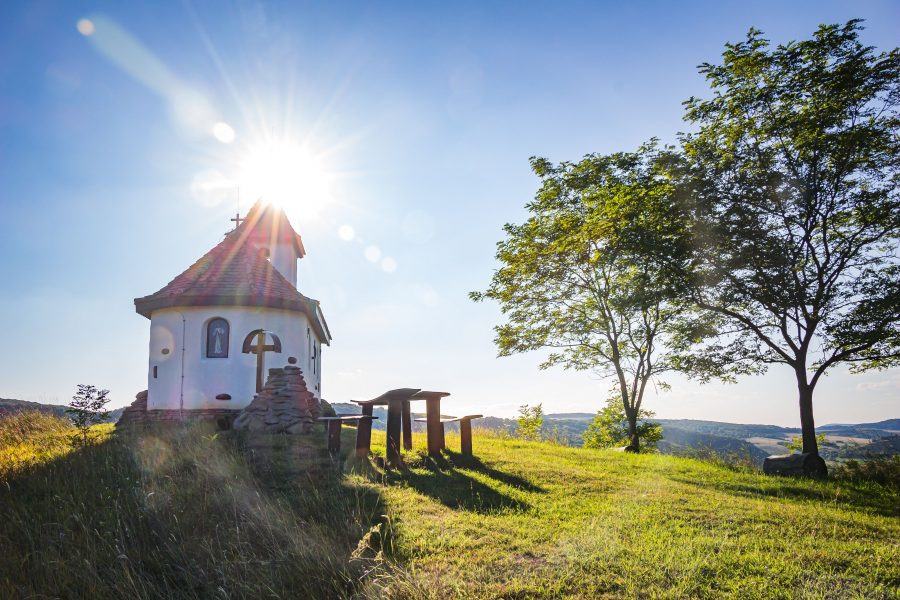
[684, 441]
[576, 416]
[889, 424]
[680, 436]
[884, 446]
[8, 405]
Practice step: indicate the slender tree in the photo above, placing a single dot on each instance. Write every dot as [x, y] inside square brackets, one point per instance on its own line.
[573, 278]
[610, 427]
[793, 173]
[87, 408]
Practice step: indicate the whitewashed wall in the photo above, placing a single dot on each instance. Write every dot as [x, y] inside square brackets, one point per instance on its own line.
[205, 378]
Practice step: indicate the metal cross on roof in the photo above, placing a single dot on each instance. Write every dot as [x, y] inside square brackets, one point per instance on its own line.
[237, 220]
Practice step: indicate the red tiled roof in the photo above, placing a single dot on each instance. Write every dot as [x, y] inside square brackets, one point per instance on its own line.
[235, 273]
[266, 223]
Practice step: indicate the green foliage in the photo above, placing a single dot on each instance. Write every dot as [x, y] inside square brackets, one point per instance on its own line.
[574, 277]
[792, 179]
[796, 443]
[556, 435]
[530, 421]
[87, 408]
[884, 470]
[610, 428]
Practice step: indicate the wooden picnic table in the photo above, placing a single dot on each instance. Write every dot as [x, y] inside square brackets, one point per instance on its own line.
[400, 418]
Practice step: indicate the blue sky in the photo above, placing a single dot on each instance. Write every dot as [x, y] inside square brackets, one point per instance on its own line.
[422, 117]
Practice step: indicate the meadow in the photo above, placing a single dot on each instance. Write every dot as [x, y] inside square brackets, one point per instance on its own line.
[187, 512]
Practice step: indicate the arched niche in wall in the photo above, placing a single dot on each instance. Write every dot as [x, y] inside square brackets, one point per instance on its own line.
[218, 334]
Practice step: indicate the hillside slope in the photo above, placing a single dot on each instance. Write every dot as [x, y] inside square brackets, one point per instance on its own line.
[10, 405]
[186, 513]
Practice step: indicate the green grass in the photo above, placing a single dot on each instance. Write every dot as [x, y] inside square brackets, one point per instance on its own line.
[185, 513]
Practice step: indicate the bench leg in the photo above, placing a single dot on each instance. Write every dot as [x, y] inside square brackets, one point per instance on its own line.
[434, 426]
[443, 431]
[465, 436]
[395, 415]
[407, 426]
[334, 437]
[364, 433]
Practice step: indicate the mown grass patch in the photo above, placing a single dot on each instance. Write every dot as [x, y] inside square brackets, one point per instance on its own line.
[540, 520]
[184, 512]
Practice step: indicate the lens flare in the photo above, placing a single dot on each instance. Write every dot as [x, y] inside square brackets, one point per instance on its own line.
[346, 232]
[372, 253]
[85, 27]
[288, 175]
[223, 132]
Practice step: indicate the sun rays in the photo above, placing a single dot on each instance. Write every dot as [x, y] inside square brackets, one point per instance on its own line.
[287, 174]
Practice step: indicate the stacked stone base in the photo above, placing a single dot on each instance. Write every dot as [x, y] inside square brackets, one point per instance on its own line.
[136, 412]
[284, 405]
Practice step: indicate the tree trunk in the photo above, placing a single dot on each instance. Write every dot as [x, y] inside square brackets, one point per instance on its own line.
[807, 423]
[635, 444]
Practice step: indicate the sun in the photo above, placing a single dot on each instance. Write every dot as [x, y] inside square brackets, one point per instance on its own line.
[288, 175]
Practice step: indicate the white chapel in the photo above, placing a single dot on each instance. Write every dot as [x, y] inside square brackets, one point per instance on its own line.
[217, 327]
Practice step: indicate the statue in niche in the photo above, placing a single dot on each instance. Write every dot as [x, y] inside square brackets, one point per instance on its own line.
[217, 338]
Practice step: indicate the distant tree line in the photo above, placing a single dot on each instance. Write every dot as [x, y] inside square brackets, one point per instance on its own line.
[767, 235]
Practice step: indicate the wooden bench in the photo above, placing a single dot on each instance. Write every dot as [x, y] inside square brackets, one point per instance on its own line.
[333, 428]
[465, 433]
[399, 420]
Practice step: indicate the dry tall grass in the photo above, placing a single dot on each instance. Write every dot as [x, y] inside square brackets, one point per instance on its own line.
[180, 513]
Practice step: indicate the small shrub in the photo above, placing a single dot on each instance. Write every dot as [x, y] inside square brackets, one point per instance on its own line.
[880, 469]
[530, 421]
[609, 429]
[557, 435]
[796, 443]
[87, 408]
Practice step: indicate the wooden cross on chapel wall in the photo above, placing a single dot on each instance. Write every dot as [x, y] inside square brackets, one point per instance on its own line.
[255, 343]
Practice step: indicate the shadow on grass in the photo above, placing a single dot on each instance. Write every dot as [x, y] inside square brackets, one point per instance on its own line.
[867, 498]
[180, 512]
[447, 479]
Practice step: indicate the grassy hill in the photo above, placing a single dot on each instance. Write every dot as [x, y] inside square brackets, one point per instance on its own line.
[752, 443]
[9, 405]
[188, 513]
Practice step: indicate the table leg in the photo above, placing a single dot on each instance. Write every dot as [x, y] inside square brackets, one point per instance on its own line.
[394, 416]
[364, 433]
[434, 425]
[407, 426]
[465, 436]
[334, 437]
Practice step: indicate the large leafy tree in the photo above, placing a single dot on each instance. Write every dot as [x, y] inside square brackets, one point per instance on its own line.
[793, 172]
[573, 279]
